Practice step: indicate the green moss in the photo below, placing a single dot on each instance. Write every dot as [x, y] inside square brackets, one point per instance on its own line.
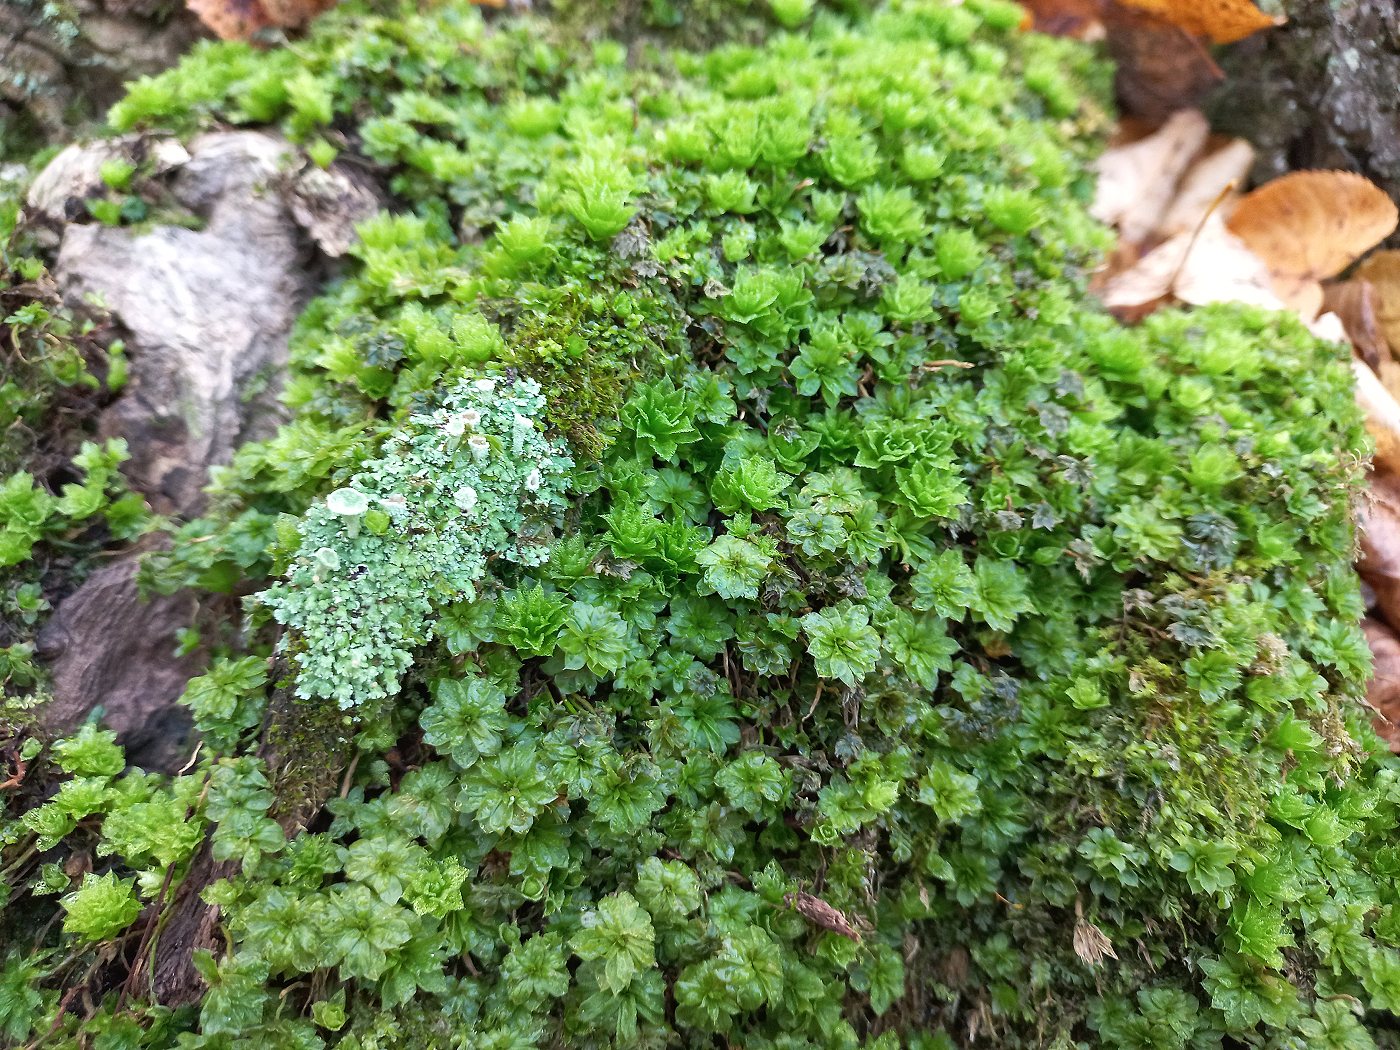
[923, 658]
[62, 498]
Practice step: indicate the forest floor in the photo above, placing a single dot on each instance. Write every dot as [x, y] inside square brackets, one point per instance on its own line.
[1176, 189]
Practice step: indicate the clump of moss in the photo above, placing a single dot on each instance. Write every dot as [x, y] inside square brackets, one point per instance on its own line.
[925, 659]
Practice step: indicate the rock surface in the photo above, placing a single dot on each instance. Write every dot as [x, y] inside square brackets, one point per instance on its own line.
[108, 648]
[206, 311]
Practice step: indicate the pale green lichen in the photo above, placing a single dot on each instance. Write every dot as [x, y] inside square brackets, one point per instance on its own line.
[473, 479]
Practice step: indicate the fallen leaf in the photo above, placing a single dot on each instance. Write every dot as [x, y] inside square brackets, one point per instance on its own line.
[1209, 266]
[231, 19]
[1389, 372]
[1354, 303]
[1221, 21]
[1137, 181]
[1208, 180]
[1311, 225]
[1073, 18]
[821, 914]
[1378, 533]
[1383, 689]
[242, 19]
[1382, 414]
[1161, 68]
[1382, 271]
[291, 14]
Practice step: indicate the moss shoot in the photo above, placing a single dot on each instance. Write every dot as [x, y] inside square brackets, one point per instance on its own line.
[922, 659]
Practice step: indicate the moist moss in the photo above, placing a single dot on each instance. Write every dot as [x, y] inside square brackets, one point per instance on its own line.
[923, 659]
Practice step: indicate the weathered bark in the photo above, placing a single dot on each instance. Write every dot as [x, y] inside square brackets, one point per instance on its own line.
[62, 66]
[106, 646]
[1319, 92]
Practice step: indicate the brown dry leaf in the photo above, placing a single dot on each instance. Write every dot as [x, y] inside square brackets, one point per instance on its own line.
[1383, 690]
[1379, 537]
[819, 913]
[1161, 67]
[1211, 266]
[1311, 225]
[1382, 271]
[1222, 21]
[241, 19]
[1382, 413]
[1138, 180]
[1206, 184]
[1389, 371]
[1074, 18]
[291, 14]
[231, 19]
[1354, 303]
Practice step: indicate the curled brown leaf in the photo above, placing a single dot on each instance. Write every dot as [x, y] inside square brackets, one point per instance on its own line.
[1220, 21]
[1310, 225]
[821, 914]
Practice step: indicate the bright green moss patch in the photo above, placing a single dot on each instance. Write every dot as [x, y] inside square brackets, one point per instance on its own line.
[922, 659]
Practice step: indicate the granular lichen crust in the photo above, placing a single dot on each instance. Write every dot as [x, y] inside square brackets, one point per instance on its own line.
[923, 659]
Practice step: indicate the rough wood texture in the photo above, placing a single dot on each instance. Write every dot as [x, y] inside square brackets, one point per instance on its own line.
[107, 647]
[205, 312]
[1319, 92]
[63, 65]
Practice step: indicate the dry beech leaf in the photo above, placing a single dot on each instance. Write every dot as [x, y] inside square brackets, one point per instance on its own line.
[1354, 303]
[290, 14]
[231, 19]
[1389, 371]
[1073, 18]
[1209, 266]
[1382, 413]
[1222, 21]
[1204, 185]
[1138, 180]
[1379, 538]
[1383, 690]
[1381, 270]
[241, 19]
[1161, 67]
[1311, 225]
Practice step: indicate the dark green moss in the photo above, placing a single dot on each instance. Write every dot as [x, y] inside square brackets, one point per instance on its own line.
[925, 660]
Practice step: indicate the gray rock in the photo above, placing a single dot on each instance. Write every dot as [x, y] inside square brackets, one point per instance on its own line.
[205, 313]
[108, 649]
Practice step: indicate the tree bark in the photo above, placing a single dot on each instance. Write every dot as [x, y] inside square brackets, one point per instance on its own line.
[62, 66]
[1320, 91]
